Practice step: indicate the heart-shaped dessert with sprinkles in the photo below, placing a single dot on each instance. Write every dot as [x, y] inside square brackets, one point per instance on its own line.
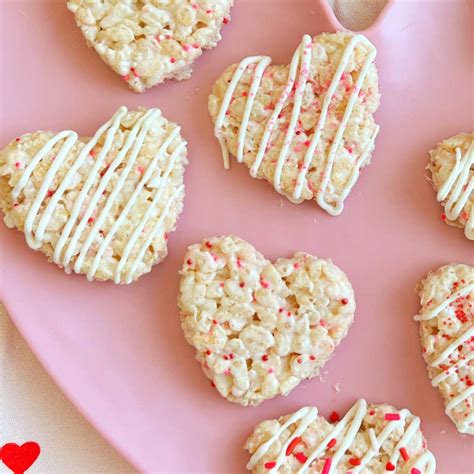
[452, 174]
[149, 41]
[102, 206]
[447, 339]
[306, 128]
[369, 438]
[260, 328]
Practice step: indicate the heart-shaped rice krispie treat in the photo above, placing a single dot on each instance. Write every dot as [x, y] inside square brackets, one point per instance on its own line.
[370, 438]
[306, 128]
[452, 175]
[149, 41]
[260, 328]
[101, 206]
[447, 338]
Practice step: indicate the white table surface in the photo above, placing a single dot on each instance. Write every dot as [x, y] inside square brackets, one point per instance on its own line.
[32, 408]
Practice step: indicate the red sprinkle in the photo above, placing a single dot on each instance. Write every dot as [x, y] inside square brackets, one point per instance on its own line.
[264, 284]
[327, 466]
[293, 445]
[17, 139]
[208, 352]
[372, 412]
[270, 464]
[214, 321]
[312, 357]
[209, 245]
[404, 454]
[126, 77]
[443, 216]
[414, 470]
[301, 457]
[90, 220]
[390, 467]
[392, 416]
[264, 357]
[172, 60]
[213, 385]
[355, 461]
[344, 301]
[17, 164]
[50, 193]
[332, 443]
[225, 21]
[334, 417]
[189, 261]
[241, 284]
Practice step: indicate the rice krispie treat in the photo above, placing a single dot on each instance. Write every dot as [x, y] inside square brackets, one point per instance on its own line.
[452, 175]
[447, 338]
[306, 128]
[149, 41]
[101, 206]
[260, 328]
[369, 438]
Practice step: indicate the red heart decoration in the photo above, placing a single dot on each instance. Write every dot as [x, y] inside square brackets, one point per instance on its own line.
[20, 458]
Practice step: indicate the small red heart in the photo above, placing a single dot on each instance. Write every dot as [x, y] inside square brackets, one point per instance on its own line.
[20, 458]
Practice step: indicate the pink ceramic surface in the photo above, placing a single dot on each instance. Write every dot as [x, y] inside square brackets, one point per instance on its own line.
[118, 352]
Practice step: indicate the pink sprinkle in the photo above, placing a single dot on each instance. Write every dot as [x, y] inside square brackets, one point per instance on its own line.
[299, 360]
[186, 47]
[296, 266]
[414, 470]
[332, 443]
[327, 466]
[17, 164]
[172, 60]
[227, 372]
[209, 12]
[270, 370]
[196, 46]
[264, 284]
[392, 416]
[126, 78]
[141, 169]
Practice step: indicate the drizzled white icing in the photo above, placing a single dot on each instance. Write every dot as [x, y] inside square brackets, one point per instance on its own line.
[462, 424]
[459, 186]
[345, 432]
[301, 62]
[68, 243]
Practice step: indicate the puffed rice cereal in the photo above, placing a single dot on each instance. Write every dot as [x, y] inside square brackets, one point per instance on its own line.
[260, 328]
[149, 41]
[307, 128]
[100, 206]
[447, 339]
[368, 439]
[452, 174]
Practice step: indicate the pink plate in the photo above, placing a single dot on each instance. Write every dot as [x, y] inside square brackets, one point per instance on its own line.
[118, 352]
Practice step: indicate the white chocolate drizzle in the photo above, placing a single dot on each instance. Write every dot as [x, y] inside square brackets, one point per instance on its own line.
[459, 186]
[301, 62]
[345, 432]
[84, 205]
[463, 425]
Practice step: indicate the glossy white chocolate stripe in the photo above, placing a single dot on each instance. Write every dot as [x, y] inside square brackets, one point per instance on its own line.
[64, 249]
[302, 55]
[460, 184]
[435, 311]
[349, 426]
